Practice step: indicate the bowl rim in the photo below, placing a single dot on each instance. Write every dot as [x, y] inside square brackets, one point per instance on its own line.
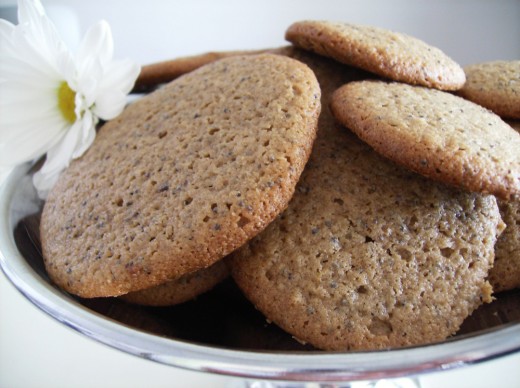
[266, 365]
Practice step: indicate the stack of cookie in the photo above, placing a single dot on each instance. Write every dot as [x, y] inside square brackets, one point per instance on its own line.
[382, 236]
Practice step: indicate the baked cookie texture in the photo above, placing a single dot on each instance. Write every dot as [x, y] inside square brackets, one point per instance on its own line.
[434, 133]
[389, 54]
[182, 177]
[494, 85]
[155, 74]
[180, 290]
[368, 255]
[505, 274]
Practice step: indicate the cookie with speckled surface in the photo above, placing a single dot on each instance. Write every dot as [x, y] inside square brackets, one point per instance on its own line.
[434, 133]
[505, 274]
[155, 74]
[182, 177]
[494, 85]
[180, 290]
[368, 255]
[389, 54]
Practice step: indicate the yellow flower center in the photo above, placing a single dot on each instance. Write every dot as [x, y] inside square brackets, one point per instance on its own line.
[66, 102]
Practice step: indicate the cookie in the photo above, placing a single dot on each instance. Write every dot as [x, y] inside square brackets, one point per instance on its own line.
[368, 255]
[181, 290]
[389, 54]
[154, 74]
[182, 177]
[505, 274]
[494, 85]
[434, 133]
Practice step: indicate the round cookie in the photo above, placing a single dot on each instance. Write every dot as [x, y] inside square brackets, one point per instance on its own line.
[434, 133]
[368, 255]
[505, 274]
[181, 290]
[494, 85]
[389, 54]
[155, 74]
[182, 177]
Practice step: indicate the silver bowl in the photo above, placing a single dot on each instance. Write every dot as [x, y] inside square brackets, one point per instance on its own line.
[277, 362]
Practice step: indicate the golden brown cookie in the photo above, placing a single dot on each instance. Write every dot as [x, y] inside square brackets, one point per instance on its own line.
[434, 133]
[389, 54]
[505, 274]
[368, 255]
[182, 177]
[494, 85]
[181, 290]
[154, 74]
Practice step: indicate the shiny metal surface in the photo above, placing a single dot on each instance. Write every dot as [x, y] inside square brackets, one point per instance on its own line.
[311, 366]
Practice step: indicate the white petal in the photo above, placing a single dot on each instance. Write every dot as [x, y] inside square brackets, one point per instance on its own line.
[87, 79]
[22, 111]
[44, 180]
[28, 70]
[97, 43]
[76, 141]
[29, 11]
[59, 156]
[66, 67]
[88, 133]
[121, 76]
[30, 141]
[38, 31]
[35, 45]
[30, 122]
[22, 102]
[109, 105]
[6, 29]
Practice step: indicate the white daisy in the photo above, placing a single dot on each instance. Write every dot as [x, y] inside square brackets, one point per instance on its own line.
[50, 99]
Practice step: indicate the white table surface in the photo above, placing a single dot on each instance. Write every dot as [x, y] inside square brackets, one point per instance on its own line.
[36, 350]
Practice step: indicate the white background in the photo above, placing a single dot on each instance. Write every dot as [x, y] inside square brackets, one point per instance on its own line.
[35, 350]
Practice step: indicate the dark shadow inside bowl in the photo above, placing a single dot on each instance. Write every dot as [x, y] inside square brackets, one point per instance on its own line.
[223, 317]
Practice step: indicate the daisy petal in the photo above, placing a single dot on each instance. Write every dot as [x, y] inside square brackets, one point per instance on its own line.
[44, 182]
[98, 43]
[6, 29]
[29, 142]
[45, 178]
[110, 104]
[29, 11]
[59, 156]
[41, 82]
[38, 31]
[87, 135]
[86, 80]
[120, 75]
